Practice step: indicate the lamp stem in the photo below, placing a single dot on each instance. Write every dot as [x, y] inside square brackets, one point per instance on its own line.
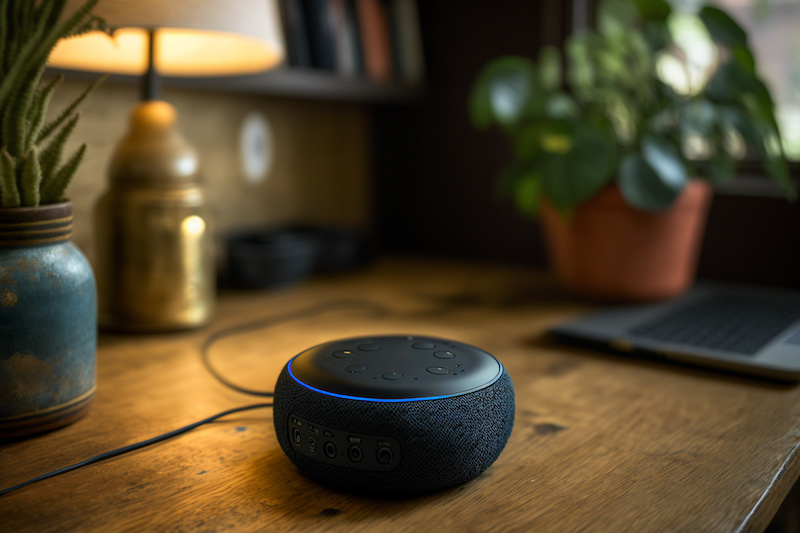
[151, 83]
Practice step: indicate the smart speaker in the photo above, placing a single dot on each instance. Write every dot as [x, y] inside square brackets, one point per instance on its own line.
[393, 415]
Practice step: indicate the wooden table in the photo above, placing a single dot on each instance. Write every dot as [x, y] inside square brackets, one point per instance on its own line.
[601, 442]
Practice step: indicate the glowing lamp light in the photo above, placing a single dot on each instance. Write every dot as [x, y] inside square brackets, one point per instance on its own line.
[194, 38]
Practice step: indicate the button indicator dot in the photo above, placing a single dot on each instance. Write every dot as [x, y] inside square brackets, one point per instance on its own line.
[369, 347]
[423, 346]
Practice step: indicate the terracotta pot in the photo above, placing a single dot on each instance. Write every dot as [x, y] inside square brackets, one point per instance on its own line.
[613, 252]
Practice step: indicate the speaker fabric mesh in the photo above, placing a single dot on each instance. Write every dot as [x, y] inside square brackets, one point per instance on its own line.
[444, 442]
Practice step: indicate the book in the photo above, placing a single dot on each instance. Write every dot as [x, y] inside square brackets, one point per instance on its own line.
[320, 34]
[409, 61]
[346, 38]
[376, 45]
[295, 33]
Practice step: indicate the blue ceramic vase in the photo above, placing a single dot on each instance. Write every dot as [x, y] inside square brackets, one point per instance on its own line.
[48, 321]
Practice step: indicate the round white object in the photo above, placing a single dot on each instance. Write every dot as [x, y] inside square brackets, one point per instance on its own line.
[256, 147]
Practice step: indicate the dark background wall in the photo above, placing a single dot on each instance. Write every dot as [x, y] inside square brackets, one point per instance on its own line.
[436, 174]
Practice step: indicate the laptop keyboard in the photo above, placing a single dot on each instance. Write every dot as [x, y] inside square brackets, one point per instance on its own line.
[733, 323]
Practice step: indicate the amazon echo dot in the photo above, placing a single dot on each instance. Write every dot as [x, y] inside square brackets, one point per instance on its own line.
[393, 415]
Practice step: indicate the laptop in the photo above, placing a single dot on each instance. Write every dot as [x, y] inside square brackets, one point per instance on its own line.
[750, 330]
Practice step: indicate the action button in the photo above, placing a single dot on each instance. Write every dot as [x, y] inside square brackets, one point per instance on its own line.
[344, 353]
[369, 347]
[356, 368]
[423, 346]
[440, 370]
[392, 375]
[444, 355]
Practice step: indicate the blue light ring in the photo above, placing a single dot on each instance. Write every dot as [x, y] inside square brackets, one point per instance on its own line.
[390, 400]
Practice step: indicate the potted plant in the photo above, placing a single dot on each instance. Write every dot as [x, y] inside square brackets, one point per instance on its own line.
[608, 150]
[47, 291]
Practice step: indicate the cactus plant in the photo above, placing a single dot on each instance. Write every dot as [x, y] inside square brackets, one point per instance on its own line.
[31, 149]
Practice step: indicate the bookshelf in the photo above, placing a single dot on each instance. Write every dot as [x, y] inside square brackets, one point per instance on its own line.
[354, 51]
[375, 40]
[292, 82]
[358, 51]
[298, 82]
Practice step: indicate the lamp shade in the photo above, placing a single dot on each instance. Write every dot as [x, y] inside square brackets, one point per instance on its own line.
[194, 38]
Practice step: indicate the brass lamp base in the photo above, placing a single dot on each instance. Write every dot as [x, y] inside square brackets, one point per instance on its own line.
[154, 258]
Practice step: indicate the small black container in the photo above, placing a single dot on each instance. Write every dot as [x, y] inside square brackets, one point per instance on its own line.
[270, 259]
[338, 249]
[273, 258]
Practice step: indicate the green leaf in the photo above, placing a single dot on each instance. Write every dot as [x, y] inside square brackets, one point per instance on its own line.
[731, 83]
[775, 162]
[53, 125]
[658, 10]
[721, 167]
[722, 28]
[760, 104]
[641, 186]
[502, 91]
[14, 114]
[528, 195]
[25, 19]
[640, 59]
[569, 178]
[752, 114]
[9, 192]
[53, 191]
[736, 117]
[728, 83]
[613, 65]
[51, 155]
[38, 110]
[3, 32]
[581, 73]
[666, 160]
[762, 136]
[31, 57]
[657, 35]
[698, 116]
[744, 57]
[52, 17]
[560, 105]
[16, 122]
[509, 96]
[778, 169]
[550, 75]
[527, 143]
[615, 17]
[31, 178]
[541, 135]
[38, 46]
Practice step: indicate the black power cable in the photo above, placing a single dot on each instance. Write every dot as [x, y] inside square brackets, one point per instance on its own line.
[205, 349]
[204, 355]
[132, 447]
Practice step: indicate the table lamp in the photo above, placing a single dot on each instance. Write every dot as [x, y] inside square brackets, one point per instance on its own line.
[154, 260]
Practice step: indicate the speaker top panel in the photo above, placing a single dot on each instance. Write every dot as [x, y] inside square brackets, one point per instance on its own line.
[395, 368]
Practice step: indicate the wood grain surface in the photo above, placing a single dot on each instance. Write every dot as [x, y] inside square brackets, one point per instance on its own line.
[601, 442]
